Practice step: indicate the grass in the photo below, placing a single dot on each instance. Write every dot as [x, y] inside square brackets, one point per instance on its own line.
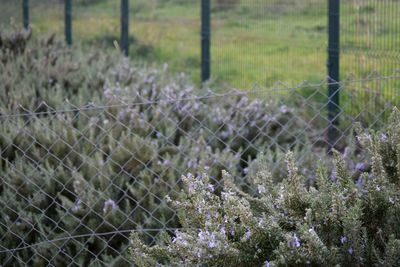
[254, 42]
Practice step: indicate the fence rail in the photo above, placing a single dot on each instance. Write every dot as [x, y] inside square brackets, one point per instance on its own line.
[75, 181]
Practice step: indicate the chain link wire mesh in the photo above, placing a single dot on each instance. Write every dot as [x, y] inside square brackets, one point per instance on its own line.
[76, 181]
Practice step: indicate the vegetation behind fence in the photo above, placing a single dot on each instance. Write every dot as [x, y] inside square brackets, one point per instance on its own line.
[251, 40]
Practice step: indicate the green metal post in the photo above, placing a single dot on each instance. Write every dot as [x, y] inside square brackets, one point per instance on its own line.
[205, 40]
[333, 69]
[25, 13]
[68, 21]
[125, 27]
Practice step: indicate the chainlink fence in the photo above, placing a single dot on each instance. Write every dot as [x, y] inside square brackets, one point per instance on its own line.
[76, 181]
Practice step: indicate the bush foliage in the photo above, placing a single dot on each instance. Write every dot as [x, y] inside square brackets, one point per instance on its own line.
[107, 169]
[339, 220]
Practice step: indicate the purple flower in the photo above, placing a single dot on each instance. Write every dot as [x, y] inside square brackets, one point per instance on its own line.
[343, 239]
[383, 137]
[200, 235]
[247, 235]
[212, 243]
[360, 167]
[222, 230]
[167, 163]
[109, 205]
[294, 242]
[350, 250]
[121, 115]
[266, 263]
[232, 232]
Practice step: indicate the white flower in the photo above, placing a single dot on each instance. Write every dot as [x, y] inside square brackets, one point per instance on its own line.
[77, 205]
[210, 187]
[261, 189]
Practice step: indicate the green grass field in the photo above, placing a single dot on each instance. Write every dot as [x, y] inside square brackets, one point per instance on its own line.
[253, 41]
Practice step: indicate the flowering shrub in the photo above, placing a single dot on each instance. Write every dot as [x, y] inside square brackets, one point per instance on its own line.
[340, 219]
[108, 169]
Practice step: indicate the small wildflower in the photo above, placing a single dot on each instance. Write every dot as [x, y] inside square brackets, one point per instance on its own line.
[343, 239]
[232, 232]
[109, 205]
[350, 250]
[266, 263]
[383, 137]
[210, 187]
[391, 200]
[247, 235]
[77, 205]
[295, 242]
[261, 189]
[222, 230]
[200, 235]
[121, 115]
[284, 109]
[167, 163]
[360, 167]
[212, 243]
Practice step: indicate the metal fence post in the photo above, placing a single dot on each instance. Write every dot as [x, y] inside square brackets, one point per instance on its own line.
[68, 21]
[333, 69]
[125, 27]
[205, 40]
[25, 13]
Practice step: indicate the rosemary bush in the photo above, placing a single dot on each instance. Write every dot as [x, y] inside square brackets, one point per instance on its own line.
[339, 220]
[91, 172]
